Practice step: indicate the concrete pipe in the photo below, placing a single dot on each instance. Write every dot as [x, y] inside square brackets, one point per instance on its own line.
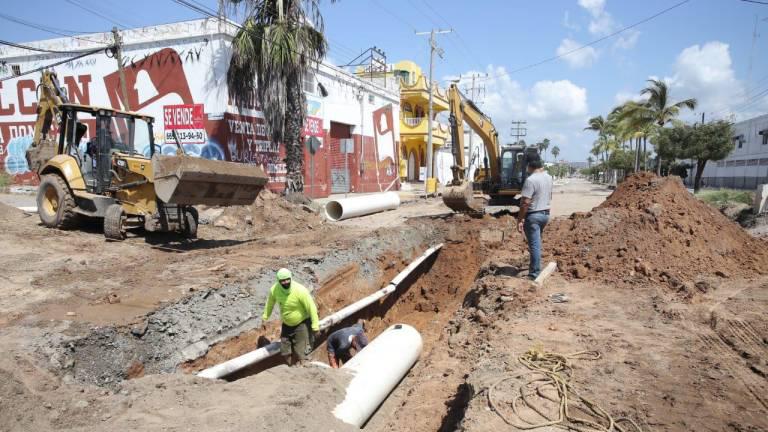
[362, 205]
[231, 366]
[376, 370]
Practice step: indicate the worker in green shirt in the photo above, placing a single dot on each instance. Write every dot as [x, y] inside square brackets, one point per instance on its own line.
[298, 314]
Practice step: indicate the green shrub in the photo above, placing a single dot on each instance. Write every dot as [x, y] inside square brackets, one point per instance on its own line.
[725, 196]
[5, 180]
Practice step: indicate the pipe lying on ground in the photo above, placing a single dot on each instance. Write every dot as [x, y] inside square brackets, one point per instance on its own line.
[248, 359]
[376, 370]
[547, 272]
[362, 205]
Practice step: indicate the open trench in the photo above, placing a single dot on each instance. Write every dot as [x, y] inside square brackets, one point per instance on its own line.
[426, 300]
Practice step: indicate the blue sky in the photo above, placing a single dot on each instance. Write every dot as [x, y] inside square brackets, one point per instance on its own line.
[702, 48]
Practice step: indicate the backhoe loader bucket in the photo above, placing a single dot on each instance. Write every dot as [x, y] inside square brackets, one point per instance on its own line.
[188, 180]
[460, 198]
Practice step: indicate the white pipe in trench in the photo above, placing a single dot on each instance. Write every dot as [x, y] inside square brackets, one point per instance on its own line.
[248, 359]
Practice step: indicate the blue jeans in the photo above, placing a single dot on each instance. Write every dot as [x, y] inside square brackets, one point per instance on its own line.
[533, 226]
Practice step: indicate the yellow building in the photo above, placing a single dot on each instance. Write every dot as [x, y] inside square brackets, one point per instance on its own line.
[414, 109]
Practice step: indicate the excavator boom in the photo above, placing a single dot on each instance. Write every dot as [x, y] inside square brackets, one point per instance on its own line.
[459, 195]
[503, 169]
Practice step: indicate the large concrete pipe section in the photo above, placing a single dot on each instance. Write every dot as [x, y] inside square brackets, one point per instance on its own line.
[248, 359]
[376, 370]
[362, 205]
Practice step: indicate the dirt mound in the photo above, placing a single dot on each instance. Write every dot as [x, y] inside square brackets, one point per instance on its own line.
[652, 228]
[9, 213]
[270, 213]
[273, 400]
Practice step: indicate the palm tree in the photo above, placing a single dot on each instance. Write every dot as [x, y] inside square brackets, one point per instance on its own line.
[660, 108]
[555, 152]
[543, 146]
[276, 47]
[590, 161]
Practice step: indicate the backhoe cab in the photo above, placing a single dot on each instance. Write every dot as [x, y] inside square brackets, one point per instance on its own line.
[109, 175]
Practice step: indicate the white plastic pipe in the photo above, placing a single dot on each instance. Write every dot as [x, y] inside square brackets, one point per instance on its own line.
[248, 359]
[231, 366]
[376, 370]
[362, 205]
[345, 312]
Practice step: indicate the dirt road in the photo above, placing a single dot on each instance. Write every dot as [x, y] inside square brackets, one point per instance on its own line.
[97, 335]
[577, 195]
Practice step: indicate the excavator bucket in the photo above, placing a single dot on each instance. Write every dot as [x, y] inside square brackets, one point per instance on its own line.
[460, 198]
[188, 180]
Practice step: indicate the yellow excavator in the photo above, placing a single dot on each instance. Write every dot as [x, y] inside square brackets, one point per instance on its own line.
[500, 179]
[111, 179]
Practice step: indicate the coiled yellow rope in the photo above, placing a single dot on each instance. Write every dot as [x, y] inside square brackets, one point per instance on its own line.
[552, 373]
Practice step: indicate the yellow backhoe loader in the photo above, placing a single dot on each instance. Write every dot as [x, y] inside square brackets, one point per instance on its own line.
[500, 179]
[111, 179]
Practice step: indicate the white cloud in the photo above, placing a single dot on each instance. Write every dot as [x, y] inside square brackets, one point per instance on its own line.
[557, 101]
[627, 40]
[602, 23]
[567, 23]
[594, 7]
[553, 109]
[625, 96]
[579, 59]
[705, 72]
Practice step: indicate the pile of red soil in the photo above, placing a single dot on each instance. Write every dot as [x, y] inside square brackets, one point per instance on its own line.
[652, 229]
[269, 214]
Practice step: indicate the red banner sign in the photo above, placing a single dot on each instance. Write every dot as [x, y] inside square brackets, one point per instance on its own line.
[190, 116]
[313, 126]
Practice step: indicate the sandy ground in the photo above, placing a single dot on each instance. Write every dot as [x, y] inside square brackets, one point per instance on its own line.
[577, 195]
[95, 335]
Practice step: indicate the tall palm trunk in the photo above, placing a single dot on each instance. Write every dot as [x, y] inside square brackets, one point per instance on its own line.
[645, 154]
[294, 150]
[637, 154]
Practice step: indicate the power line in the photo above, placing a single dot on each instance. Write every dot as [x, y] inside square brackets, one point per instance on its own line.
[594, 42]
[755, 1]
[47, 29]
[42, 50]
[97, 13]
[464, 46]
[202, 9]
[53, 64]
[397, 17]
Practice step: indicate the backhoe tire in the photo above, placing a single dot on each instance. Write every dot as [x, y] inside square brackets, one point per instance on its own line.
[190, 223]
[56, 203]
[114, 223]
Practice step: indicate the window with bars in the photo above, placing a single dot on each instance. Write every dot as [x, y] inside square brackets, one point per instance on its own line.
[764, 134]
[16, 69]
[309, 83]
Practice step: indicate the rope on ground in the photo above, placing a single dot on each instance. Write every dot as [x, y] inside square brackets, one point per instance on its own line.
[549, 378]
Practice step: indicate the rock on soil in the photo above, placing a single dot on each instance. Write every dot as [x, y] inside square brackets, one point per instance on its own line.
[652, 229]
[269, 214]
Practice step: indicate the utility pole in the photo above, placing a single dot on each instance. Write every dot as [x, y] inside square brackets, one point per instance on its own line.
[432, 49]
[474, 92]
[119, 57]
[518, 130]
